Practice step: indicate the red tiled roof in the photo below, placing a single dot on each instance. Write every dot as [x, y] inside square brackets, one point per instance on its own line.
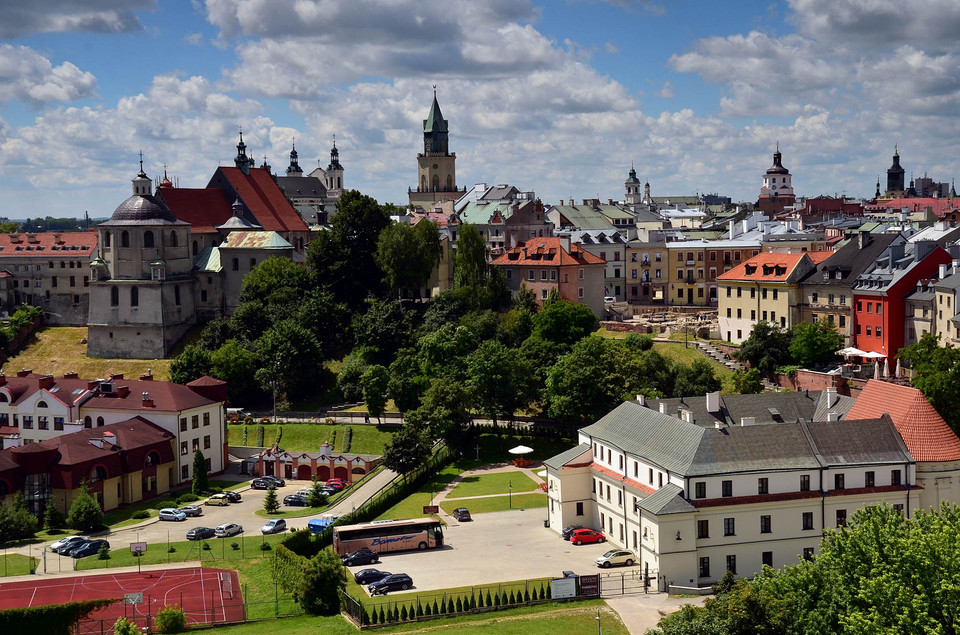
[940, 206]
[756, 498]
[786, 262]
[204, 208]
[166, 396]
[69, 245]
[546, 252]
[606, 471]
[925, 433]
[264, 198]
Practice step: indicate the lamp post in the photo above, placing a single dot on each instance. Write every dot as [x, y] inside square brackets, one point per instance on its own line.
[510, 492]
[599, 628]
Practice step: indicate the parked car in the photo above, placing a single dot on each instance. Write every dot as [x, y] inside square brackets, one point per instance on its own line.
[201, 533]
[583, 536]
[228, 529]
[565, 534]
[462, 514]
[67, 543]
[337, 483]
[218, 500]
[360, 556]
[616, 556]
[295, 500]
[276, 480]
[329, 490]
[609, 299]
[192, 510]
[261, 483]
[172, 513]
[232, 496]
[274, 526]
[393, 582]
[368, 576]
[88, 548]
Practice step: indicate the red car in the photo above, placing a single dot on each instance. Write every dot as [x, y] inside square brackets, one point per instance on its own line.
[336, 482]
[581, 536]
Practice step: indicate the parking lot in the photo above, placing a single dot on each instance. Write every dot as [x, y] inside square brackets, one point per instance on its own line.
[494, 547]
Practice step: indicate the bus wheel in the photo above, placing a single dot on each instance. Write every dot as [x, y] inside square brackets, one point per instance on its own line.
[422, 546]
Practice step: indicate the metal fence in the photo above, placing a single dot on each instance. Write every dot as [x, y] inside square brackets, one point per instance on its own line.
[144, 615]
[627, 582]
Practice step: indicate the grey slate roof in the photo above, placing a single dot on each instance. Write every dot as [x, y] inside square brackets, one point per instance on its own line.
[667, 500]
[764, 407]
[754, 448]
[850, 260]
[558, 461]
[857, 442]
[841, 406]
[663, 439]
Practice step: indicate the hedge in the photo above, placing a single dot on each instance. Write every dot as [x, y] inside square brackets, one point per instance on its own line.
[52, 619]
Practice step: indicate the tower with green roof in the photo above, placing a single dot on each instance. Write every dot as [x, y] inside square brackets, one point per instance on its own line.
[437, 174]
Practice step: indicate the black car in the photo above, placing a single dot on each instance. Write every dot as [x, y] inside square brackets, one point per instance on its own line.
[295, 500]
[329, 490]
[232, 496]
[276, 480]
[200, 533]
[360, 556]
[565, 534]
[462, 514]
[368, 576]
[261, 483]
[394, 582]
[88, 548]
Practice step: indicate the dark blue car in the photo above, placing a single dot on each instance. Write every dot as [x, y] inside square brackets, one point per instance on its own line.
[88, 548]
[394, 582]
[368, 576]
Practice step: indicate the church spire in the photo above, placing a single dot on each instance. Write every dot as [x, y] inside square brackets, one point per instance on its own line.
[294, 168]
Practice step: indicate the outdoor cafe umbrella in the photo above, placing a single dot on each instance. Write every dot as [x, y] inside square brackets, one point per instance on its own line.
[850, 352]
[520, 450]
[897, 372]
[886, 367]
[876, 371]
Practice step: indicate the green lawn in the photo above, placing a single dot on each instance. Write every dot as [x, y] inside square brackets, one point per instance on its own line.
[220, 551]
[497, 503]
[555, 618]
[686, 355]
[16, 564]
[262, 598]
[308, 437]
[495, 483]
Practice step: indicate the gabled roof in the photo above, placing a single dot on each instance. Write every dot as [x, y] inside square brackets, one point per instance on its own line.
[546, 252]
[788, 407]
[773, 267]
[203, 208]
[560, 460]
[208, 260]
[924, 431]
[582, 217]
[261, 196]
[667, 500]
[49, 245]
[301, 187]
[851, 260]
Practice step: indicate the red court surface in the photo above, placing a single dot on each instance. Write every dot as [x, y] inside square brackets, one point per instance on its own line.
[205, 595]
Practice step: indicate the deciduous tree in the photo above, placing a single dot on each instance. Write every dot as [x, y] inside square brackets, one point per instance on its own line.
[85, 513]
[322, 582]
[406, 451]
[375, 383]
[470, 258]
[767, 347]
[813, 344]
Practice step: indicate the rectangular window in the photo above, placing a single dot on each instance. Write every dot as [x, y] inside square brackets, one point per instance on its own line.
[765, 525]
[898, 507]
[206, 442]
[869, 307]
[183, 424]
[775, 291]
[869, 479]
[703, 529]
[704, 567]
[841, 518]
[579, 292]
[838, 481]
[726, 488]
[729, 312]
[619, 498]
[195, 421]
[739, 313]
[808, 553]
[894, 477]
[183, 448]
[543, 274]
[732, 564]
[196, 445]
[753, 293]
[763, 486]
[28, 422]
[184, 471]
[880, 306]
[701, 489]
[767, 558]
[807, 520]
[868, 330]
[580, 274]
[579, 509]
[531, 275]
[729, 527]
[206, 418]
[659, 479]
[804, 482]
[878, 331]
[43, 423]
[729, 290]
[58, 423]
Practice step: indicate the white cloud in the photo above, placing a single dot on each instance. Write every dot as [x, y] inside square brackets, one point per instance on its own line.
[52, 16]
[667, 91]
[27, 76]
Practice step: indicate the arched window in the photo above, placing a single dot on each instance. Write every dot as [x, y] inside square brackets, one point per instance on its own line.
[87, 422]
[194, 248]
[98, 473]
[423, 183]
[106, 239]
[41, 404]
[99, 421]
[124, 238]
[3, 397]
[173, 238]
[148, 238]
[114, 296]
[436, 182]
[449, 183]
[151, 459]
[134, 296]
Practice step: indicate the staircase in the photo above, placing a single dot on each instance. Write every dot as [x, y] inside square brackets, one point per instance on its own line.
[714, 353]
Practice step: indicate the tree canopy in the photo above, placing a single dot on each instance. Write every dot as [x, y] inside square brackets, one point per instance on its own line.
[767, 347]
[470, 258]
[814, 344]
[407, 255]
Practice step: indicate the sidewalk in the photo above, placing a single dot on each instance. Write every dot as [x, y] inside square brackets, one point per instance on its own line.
[642, 612]
[363, 493]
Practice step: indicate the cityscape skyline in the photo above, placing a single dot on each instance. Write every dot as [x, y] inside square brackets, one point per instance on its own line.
[560, 98]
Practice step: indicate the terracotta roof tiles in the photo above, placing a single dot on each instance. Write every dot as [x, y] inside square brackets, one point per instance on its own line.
[546, 251]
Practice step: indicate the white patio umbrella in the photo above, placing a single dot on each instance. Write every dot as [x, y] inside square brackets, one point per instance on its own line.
[897, 372]
[542, 474]
[876, 370]
[872, 355]
[521, 450]
[850, 351]
[886, 367]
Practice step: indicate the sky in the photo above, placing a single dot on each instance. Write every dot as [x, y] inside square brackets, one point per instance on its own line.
[559, 97]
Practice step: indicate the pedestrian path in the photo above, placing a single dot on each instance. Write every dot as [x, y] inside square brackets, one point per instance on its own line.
[494, 468]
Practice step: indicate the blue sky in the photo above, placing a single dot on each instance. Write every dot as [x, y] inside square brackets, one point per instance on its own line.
[555, 96]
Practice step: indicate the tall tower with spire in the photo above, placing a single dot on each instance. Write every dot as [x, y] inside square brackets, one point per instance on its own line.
[777, 191]
[294, 168]
[632, 188]
[895, 176]
[437, 173]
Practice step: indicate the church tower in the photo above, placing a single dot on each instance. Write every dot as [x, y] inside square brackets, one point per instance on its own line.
[777, 191]
[294, 168]
[632, 188]
[334, 173]
[436, 174]
[895, 176]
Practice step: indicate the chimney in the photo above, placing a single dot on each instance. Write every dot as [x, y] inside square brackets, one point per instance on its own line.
[564, 242]
[123, 391]
[92, 385]
[687, 415]
[571, 202]
[641, 400]
[943, 271]
[32, 238]
[733, 229]
[71, 375]
[717, 425]
[116, 376]
[23, 372]
[955, 265]
[831, 396]
[147, 402]
[148, 376]
[325, 450]
[713, 401]
[663, 408]
[46, 382]
[748, 421]
[833, 416]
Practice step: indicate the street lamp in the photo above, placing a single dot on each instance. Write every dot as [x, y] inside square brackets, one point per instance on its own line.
[510, 492]
[599, 628]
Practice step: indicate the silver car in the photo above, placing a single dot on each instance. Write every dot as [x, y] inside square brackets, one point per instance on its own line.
[228, 529]
[616, 556]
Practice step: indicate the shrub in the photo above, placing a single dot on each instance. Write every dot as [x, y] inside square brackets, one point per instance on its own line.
[260, 435]
[403, 613]
[85, 513]
[436, 609]
[104, 553]
[140, 515]
[459, 605]
[53, 519]
[170, 619]
[367, 618]
[347, 438]
[382, 616]
[188, 497]
[480, 600]
[489, 602]
[265, 546]
[427, 610]
[245, 428]
[235, 546]
[123, 627]
[206, 546]
[171, 549]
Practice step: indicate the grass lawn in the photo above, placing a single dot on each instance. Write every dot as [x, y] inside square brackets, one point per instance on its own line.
[560, 619]
[686, 355]
[496, 483]
[16, 564]
[353, 590]
[308, 437]
[220, 553]
[56, 350]
[262, 598]
[496, 503]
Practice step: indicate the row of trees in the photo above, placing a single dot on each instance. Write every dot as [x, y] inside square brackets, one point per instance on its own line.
[883, 574]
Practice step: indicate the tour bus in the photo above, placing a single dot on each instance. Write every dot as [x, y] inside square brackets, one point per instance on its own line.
[388, 535]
